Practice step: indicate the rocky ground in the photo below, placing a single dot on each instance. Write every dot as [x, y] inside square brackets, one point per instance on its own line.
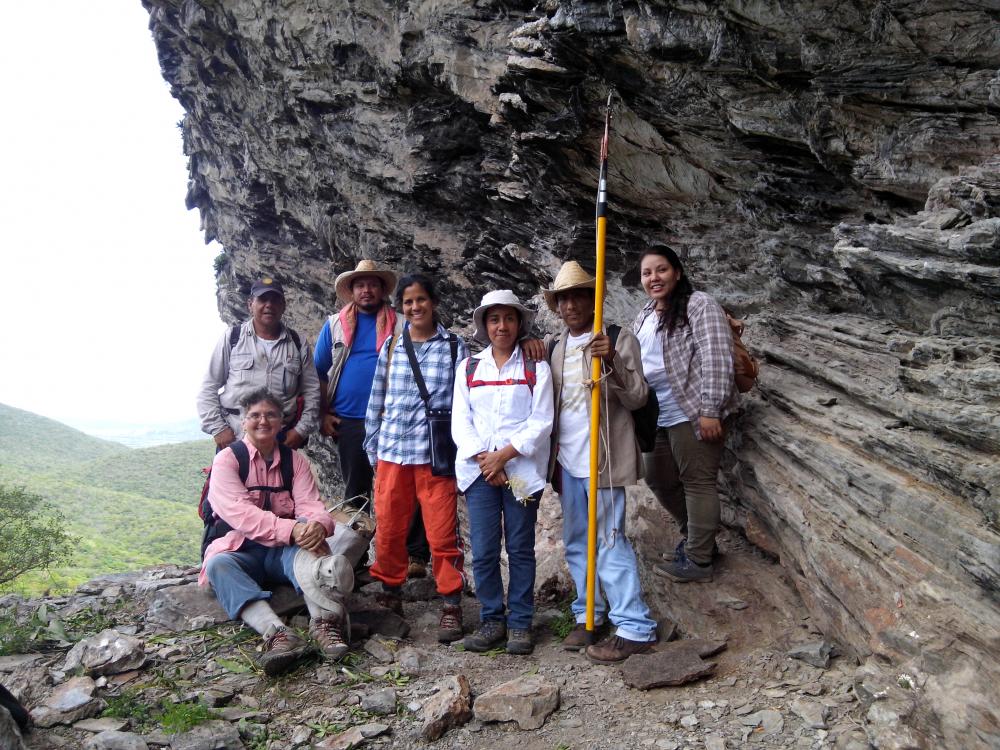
[169, 671]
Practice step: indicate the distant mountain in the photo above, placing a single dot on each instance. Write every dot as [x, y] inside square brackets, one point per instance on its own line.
[143, 435]
[32, 442]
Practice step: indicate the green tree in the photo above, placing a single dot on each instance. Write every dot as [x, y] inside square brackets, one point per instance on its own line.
[32, 534]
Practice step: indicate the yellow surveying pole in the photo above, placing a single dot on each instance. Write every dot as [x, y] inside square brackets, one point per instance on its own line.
[595, 376]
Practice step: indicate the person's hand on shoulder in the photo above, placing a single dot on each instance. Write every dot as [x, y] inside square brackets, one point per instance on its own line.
[534, 349]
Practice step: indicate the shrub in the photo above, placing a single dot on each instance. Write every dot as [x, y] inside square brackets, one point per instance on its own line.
[32, 534]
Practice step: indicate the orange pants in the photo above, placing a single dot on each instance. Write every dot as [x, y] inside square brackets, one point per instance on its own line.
[397, 488]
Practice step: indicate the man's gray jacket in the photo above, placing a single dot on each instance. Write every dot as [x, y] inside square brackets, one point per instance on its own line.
[287, 373]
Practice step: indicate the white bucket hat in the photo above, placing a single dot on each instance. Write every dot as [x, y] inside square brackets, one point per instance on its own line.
[500, 297]
[326, 580]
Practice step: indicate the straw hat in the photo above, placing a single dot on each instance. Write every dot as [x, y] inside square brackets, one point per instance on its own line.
[365, 268]
[570, 276]
[500, 297]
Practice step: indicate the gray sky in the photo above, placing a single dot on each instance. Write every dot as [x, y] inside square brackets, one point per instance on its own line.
[109, 293]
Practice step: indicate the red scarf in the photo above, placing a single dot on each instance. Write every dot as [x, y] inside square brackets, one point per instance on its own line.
[385, 324]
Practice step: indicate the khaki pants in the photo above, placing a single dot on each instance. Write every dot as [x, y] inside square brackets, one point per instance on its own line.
[682, 471]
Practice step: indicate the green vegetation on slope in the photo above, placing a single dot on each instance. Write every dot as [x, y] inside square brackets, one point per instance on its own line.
[167, 472]
[33, 443]
[129, 508]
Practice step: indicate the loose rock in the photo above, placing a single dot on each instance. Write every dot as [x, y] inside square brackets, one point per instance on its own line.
[68, 703]
[527, 700]
[381, 702]
[212, 735]
[813, 714]
[108, 652]
[10, 735]
[111, 740]
[450, 707]
[817, 654]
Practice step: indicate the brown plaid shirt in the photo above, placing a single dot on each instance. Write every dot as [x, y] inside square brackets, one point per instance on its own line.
[698, 359]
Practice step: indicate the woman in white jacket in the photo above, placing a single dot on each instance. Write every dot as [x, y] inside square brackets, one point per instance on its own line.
[501, 422]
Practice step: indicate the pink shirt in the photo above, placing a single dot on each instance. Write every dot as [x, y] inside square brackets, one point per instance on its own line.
[238, 507]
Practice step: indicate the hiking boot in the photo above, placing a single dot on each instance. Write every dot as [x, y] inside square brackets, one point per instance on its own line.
[684, 570]
[450, 625]
[331, 635]
[680, 551]
[520, 641]
[577, 637]
[281, 650]
[489, 634]
[614, 649]
[390, 600]
[416, 568]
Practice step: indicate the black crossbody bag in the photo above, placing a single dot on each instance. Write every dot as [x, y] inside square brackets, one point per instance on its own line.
[443, 448]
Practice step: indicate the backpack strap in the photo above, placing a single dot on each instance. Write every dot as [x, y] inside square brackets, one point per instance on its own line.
[239, 449]
[234, 336]
[552, 346]
[530, 376]
[613, 331]
[470, 370]
[286, 467]
[295, 338]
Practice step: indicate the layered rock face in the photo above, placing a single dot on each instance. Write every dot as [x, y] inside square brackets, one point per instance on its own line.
[827, 170]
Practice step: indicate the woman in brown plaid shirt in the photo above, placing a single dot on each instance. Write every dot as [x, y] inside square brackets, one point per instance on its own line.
[687, 357]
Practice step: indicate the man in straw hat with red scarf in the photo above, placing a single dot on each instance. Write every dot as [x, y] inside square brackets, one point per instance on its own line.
[346, 353]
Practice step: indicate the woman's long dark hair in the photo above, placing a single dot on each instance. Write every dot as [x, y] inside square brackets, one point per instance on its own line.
[675, 314]
[417, 278]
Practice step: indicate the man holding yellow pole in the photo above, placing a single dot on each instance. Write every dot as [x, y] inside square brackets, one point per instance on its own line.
[619, 461]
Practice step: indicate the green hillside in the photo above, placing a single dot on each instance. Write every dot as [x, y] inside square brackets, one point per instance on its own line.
[129, 508]
[167, 472]
[33, 443]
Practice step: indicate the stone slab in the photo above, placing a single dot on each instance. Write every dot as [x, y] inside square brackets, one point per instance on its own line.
[673, 663]
[529, 701]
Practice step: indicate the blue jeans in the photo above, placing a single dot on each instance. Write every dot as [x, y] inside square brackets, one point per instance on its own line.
[617, 567]
[488, 507]
[238, 577]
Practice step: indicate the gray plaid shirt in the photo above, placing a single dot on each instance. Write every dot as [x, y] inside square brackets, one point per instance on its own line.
[698, 359]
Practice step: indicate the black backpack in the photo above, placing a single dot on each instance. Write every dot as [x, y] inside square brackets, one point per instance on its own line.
[645, 417]
[215, 527]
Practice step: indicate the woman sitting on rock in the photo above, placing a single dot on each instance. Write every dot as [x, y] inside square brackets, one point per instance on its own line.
[687, 358]
[269, 536]
[398, 444]
[501, 424]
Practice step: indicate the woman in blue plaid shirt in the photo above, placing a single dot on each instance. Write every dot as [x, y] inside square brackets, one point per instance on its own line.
[687, 358]
[398, 445]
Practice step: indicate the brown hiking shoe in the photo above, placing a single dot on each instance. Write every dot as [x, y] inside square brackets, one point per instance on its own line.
[416, 568]
[331, 635]
[577, 637]
[391, 601]
[615, 649]
[450, 626]
[281, 650]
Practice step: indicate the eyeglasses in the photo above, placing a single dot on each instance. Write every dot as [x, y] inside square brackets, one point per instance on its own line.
[256, 416]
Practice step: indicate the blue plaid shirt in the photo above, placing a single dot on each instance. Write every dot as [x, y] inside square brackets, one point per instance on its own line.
[396, 423]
